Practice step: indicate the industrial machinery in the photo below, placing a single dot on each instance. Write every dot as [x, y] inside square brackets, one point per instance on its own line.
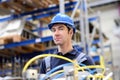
[71, 71]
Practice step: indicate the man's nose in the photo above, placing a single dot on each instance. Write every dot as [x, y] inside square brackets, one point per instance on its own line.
[56, 32]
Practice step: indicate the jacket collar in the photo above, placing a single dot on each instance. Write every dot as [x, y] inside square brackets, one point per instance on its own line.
[72, 52]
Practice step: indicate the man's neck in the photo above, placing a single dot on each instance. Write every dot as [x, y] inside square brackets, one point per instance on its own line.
[65, 48]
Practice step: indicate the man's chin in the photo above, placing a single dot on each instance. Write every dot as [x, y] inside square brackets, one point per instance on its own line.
[58, 43]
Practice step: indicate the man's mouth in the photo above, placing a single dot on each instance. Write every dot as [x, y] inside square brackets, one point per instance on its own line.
[57, 39]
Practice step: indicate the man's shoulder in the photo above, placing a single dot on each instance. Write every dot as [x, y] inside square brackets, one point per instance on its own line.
[79, 52]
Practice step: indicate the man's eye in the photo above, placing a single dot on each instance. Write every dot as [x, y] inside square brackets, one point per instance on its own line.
[53, 30]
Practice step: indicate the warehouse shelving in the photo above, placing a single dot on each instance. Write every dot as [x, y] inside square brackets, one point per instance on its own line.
[48, 12]
[33, 41]
[52, 10]
[26, 42]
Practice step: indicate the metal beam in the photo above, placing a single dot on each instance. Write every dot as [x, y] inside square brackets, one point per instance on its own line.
[1, 1]
[76, 7]
[81, 19]
[62, 6]
[100, 34]
[87, 36]
[101, 2]
[26, 42]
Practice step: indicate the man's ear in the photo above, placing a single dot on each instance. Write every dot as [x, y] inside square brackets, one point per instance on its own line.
[71, 31]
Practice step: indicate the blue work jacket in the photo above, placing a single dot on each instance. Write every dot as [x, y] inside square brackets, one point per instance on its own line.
[54, 62]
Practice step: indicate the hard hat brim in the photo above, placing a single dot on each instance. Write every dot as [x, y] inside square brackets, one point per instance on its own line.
[51, 25]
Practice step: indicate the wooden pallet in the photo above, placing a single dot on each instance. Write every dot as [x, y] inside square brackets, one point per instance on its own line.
[11, 39]
[22, 50]
[7, 53]
[29, 48]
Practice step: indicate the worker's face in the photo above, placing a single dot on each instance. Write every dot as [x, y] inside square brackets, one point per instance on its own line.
[61, 35]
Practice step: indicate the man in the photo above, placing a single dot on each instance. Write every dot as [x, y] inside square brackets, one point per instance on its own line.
[62, 27]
